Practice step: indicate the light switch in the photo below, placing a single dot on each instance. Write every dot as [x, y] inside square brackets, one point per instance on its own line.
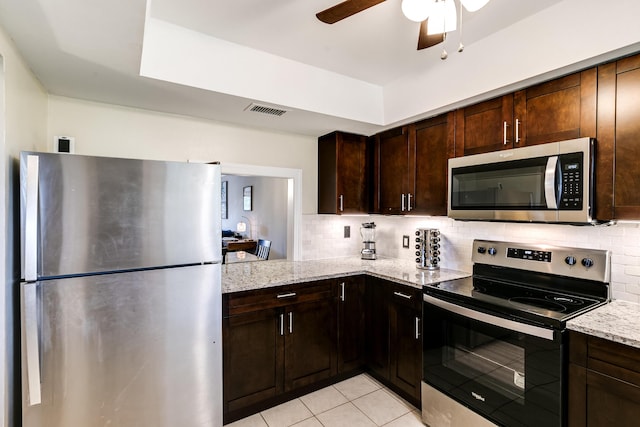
[405, 242]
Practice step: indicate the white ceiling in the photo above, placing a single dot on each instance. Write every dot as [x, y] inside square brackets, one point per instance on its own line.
[92, 49]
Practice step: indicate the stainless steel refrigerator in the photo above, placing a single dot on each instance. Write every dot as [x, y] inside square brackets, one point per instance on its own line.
[121, 299]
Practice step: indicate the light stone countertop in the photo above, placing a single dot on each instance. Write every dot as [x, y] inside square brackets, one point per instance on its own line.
[618, 321]
[259, 275]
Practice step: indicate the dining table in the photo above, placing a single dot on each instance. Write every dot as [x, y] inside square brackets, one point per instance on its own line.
[241, 256]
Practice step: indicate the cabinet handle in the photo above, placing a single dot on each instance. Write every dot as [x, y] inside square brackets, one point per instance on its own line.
[289, 295]
[400, 294]
[504, 133]
[342, 291]
[291, 322]
[409, 202]
[402, 202]
[517, 131]
[341, 203]
[281, 324]
[417, 328]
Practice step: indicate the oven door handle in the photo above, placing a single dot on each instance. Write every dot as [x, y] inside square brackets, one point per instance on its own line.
[488, 318]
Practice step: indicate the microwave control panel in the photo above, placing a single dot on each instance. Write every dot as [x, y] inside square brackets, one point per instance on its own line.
[572, 181]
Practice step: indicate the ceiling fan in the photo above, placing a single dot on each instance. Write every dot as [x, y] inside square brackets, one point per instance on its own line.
[425, 39]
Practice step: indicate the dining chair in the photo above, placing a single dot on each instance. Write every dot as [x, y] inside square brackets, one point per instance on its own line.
[263, 248]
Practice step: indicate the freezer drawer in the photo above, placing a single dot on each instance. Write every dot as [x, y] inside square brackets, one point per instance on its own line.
[130, 349]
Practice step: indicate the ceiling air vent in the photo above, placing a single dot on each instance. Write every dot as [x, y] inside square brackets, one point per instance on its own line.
[265, 110]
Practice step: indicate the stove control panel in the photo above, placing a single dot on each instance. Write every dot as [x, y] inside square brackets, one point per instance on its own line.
[591, 264]
[530, 254]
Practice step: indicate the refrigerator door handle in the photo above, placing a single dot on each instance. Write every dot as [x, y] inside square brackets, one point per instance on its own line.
[31, 220]
[32, 342]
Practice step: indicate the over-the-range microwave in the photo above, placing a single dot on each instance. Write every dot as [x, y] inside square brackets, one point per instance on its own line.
[543, 183]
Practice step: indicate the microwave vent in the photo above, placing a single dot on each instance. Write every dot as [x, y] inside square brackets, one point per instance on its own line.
[264, 109]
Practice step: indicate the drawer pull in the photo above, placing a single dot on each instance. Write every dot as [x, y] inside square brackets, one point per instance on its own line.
[289, 295]
[400, 294]
[417, 328]
[342, 291]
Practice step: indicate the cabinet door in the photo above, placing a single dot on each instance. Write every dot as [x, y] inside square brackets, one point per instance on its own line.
[391, 171]
[405, 361]
[310, 343]
[377, 334]
[618, 140]
[432, 145]
[343, 174]
[485, 127]
[252, 353]
[351, 323]
[556, 110]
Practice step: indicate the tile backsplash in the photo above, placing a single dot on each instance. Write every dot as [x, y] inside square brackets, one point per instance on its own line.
[323, 237]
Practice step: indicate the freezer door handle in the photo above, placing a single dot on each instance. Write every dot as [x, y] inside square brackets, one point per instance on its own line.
[31, 219]
[32, 342]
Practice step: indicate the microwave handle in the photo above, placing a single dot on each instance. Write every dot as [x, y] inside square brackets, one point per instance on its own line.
[550, 193]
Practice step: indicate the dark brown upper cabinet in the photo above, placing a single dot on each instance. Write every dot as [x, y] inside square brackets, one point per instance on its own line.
[560, 109]
[343, 174]
[618, 140]
[410, 167]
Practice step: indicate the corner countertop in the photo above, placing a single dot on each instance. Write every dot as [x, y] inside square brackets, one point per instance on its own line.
[259, 275]
[618, 321]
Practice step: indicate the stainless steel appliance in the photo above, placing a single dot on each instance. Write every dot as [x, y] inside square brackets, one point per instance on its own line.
[368, 233]
[121, 299]
[494, 344]
[428, 248]
[542, 183]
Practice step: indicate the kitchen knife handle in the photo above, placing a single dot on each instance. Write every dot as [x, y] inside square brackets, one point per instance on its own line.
[31, 220]
[32, 342]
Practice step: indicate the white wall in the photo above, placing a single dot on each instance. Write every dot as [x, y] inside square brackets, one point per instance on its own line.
[268, 216]
[23, 111]
[323, 238]
[110, 130]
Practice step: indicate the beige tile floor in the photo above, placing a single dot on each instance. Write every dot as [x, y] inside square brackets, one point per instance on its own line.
[360, 401]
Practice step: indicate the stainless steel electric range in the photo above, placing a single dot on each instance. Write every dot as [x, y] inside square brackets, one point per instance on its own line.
[494, 344]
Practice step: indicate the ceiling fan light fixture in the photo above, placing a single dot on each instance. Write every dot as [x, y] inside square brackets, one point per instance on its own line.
[443, 17]
[474, 5]
[416, 10]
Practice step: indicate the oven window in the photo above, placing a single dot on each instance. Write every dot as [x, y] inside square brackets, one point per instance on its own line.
[510, 185]
[495, 362]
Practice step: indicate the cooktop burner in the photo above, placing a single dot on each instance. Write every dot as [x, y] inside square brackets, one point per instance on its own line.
[542, 284]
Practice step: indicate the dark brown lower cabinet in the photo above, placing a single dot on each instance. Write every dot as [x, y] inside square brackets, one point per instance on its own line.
[351, 323]
[604, 383]
[274, 342]
[394, 342]
[282, 342]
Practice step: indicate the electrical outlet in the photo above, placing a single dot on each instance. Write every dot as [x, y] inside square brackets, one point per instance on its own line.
[405, 241]
[347, 231]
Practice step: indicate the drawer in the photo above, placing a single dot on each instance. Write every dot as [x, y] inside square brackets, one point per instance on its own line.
[247, 301]
[406, 295]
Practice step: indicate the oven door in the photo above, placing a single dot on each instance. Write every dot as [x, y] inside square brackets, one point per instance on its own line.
[509, 372]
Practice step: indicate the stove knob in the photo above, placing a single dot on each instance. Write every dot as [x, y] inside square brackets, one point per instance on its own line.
[570, 260]
[492, 251]
[587, 262]
[482, 249]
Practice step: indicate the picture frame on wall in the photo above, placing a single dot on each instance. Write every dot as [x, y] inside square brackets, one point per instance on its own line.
[247, 198]
[224, 200]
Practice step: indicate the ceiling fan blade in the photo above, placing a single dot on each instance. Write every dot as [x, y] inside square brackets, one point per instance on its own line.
[345, 10]
[425, 40]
